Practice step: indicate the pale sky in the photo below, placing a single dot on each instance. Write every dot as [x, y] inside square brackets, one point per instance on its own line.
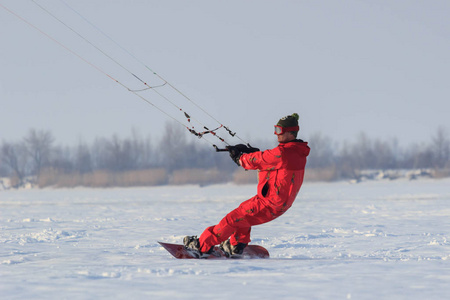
[379, 67]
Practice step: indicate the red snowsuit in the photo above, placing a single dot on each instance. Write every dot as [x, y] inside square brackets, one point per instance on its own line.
[280, 177]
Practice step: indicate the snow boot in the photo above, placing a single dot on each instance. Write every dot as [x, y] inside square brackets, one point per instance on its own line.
[233, 251]
[192, 244]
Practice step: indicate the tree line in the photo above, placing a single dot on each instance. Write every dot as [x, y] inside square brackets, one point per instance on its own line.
[348, 159]
[37, 154]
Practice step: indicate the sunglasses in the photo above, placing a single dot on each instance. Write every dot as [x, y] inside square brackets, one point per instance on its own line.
[281, 130]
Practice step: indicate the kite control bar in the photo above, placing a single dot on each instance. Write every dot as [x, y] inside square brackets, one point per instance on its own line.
[241, 147]
[221, 150]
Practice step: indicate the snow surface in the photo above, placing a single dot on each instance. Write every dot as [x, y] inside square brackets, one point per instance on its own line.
[373, 240]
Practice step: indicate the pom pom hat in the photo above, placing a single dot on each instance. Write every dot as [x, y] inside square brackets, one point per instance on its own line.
[287, 124]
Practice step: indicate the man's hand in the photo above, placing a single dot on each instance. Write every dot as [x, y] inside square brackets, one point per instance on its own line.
[251, 150]
[245, 149]
[236, 151]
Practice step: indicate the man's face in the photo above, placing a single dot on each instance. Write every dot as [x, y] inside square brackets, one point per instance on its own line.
[285, 137]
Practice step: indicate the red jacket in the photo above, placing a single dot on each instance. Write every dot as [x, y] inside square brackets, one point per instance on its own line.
[281, 172]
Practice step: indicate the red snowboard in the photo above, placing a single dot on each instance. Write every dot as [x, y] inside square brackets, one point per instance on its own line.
[251, 251]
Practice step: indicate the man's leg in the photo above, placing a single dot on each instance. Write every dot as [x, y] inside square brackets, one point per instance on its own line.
[241, 235]
[237, 223]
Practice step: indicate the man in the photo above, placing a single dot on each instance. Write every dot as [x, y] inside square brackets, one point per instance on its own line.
[281, 172]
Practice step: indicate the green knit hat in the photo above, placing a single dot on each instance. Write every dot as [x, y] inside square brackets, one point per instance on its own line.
[289, 121]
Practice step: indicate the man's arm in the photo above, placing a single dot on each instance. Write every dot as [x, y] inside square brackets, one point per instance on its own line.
[262, 160]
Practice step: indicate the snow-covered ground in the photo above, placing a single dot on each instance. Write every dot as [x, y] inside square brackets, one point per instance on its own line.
[372, 240]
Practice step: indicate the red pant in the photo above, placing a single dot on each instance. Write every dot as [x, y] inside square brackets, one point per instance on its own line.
[237, 224]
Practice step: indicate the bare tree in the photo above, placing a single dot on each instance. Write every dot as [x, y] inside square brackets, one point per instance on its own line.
[147, 154]
[322, 153]
[140, 151]
[61, 159]
[363, 152]
[14, 157]
[347, 163]
[173, 148]
[83, 159]
[118, 154]
[440, 147]
[385, 154]
[39, 147]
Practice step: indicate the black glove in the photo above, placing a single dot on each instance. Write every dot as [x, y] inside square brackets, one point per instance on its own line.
[235, 154]
[251, 150]
[236, 151]
[245, 149]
